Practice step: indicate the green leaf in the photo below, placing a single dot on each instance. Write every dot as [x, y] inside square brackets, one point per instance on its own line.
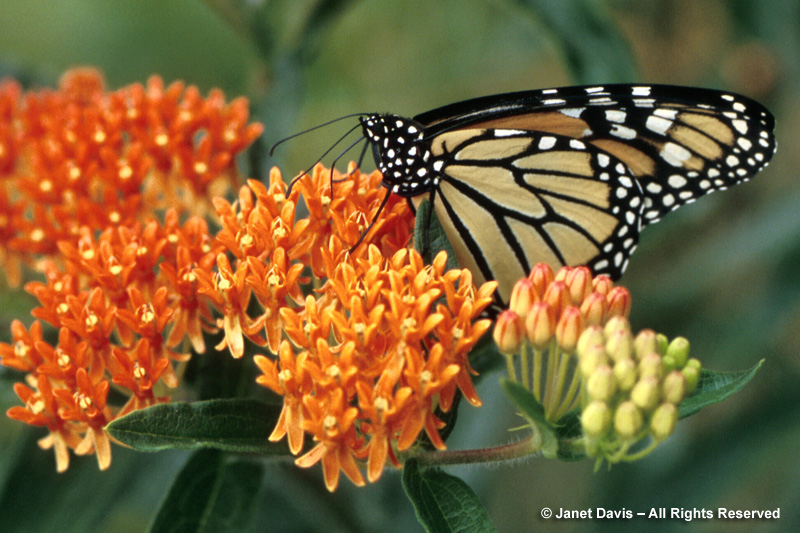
[210, 494]
[444, 503]
[570, 437]
[533, 411]
[593, 46]
[715, 387]
[429, 236]
[238, 425]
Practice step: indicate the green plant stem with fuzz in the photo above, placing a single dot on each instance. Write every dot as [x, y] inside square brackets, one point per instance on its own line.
[526, 447]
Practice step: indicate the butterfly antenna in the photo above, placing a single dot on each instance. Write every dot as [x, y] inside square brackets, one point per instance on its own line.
[309, 130]
[338, 157]
[334, 145]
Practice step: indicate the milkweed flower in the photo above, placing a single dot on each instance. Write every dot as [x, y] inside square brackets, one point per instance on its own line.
[102, 192]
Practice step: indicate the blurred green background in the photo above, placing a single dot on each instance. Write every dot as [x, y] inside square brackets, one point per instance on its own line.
[724, 272]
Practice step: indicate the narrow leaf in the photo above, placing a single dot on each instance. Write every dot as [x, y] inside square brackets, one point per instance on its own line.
[429, 236]
[210, 494]
[533, 411]
[444, 503]
[715, 387]
[238, 425]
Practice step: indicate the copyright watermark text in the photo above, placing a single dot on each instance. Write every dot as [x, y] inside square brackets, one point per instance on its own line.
[661, 513]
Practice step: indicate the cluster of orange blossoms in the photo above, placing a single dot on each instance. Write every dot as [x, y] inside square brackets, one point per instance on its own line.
[363, 361]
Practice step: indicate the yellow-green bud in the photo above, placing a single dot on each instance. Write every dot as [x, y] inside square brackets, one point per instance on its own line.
[678, 349]
[590, 358]
[645, 393]
[591, 336]
[625, 372]
[628, 420]
[663, 421]
[651, 365]
[646, 342]
[692, 374]
[595, 419]
[674, 387]
[620, 345]
[614, 323]
[601, 384]
[663, 342]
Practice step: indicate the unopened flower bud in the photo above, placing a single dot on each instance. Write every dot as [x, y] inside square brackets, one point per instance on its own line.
[663, 421]
[678, 350]
[602, 284]
[522, 297]
[601, 385]
[692, 373]
[508, 332]
[619, 302]
[591, 335]
[614, 323]
[579, 282]
[540, 325]
[569, 328]
[651, 365]
[646, 342]
[628, 420]
[619, 344]
[596, 419]
[663, 342]
[645, 394]
[557, 295]
[590, 358]
[594, 308]
[674, 387]
[541, 276]
[625, 372]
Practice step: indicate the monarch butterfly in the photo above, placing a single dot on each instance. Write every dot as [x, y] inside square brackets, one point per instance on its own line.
[566, 176]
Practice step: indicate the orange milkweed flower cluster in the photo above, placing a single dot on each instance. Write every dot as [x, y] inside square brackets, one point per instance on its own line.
[82, 173]
[382, 342]
[81, 156]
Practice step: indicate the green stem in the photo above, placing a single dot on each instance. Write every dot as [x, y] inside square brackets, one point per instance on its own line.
[524, 448]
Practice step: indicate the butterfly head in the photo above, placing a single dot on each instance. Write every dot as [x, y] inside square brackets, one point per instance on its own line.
[400, 153]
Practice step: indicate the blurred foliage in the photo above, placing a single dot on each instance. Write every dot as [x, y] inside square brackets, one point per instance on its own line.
[722, 272]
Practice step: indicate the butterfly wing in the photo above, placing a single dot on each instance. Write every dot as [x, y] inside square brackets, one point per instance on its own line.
[508, 199]
[680, 142]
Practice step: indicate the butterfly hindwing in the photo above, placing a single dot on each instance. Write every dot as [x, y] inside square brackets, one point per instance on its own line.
[508, 199]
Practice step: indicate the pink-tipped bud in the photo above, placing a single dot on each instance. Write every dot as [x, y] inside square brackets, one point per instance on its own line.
[619, 344]
[508, 332]
[540, 325]
[646, 342]
[594, 308]
[557, 295]
[569, 329]
[602, 284]
[592, 335]
[579, 281]
[619, 302]
[541, 276]
[522, 297]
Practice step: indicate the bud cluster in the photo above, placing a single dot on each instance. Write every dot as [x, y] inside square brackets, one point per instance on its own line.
[547, 313]
[631, 388]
